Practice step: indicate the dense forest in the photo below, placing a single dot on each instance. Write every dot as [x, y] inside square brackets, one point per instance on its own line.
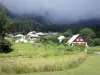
[24, 24]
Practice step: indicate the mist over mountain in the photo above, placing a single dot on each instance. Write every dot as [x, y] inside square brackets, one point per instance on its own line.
[56, 11]
[42, 19]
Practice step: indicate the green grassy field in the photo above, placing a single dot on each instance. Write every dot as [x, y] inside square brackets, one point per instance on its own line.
[29, 60]
[90, 67]
[91, 50]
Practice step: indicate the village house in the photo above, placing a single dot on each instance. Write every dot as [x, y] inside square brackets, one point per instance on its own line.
[77, 39]
[20, 38]
[32, 32]
[40, 34]
[32, 36]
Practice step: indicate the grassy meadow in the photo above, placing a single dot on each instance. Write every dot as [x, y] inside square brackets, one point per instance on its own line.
[91, 66]
[92, 50]
[27, 58]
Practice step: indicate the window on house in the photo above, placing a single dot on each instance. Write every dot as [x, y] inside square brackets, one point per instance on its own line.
[77, 39]
[81, 39]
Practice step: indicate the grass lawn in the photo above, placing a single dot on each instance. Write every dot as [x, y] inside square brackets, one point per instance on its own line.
[91, 50]
[30, 59]
[90, 67]
[25, 58]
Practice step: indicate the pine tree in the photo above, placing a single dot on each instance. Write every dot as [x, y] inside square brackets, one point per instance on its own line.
[5, 46]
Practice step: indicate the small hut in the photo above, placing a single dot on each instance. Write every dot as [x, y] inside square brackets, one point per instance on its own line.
[60, 38]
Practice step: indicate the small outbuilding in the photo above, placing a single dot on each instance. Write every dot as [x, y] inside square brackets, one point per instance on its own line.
[77, 39]
[60, 38]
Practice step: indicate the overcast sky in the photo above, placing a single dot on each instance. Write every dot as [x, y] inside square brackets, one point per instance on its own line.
[56, 10]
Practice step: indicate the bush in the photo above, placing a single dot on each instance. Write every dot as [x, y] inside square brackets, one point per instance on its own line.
[96, 42]
[74, 48]
[69, 48]
[65, 41]
[90, 42]
[5, 46]
[52, 38]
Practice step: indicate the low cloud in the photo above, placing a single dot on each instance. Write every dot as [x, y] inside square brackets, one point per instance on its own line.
[56, 10]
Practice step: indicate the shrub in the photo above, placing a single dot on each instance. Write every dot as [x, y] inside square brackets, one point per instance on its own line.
[90, 42]
[52, 38]
[96, 42]
[74, 48]
[81, 47]
[65, 41]
[5, 46]
[68, 49]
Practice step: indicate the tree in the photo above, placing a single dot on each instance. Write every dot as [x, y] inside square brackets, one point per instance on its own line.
[68, 33]
[87, 33]
[5, 46]
[96, 41]
[4, 23]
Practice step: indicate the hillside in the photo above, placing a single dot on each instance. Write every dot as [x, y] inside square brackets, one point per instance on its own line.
[25, 23]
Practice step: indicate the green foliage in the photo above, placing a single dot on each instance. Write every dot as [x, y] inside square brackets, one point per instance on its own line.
[96, 41]
[69, 49]
[52, 38]
[68, 33]
[87, 33]
[75, 48]
[4, 23]
[27, 65]
[64, 41]
[90, 42]
[5, 46]
[90, 67]
[92, 50]
[37, 59]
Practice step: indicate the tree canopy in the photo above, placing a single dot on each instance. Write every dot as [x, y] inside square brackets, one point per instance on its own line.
[4, 23]
[5, 46]
[87, 33]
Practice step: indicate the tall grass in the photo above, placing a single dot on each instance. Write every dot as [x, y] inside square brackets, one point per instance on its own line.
[27, 58]
[27, 65]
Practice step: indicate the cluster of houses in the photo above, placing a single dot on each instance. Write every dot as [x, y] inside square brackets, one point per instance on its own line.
[32, 36]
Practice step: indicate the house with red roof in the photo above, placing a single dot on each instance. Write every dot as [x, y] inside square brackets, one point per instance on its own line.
[77, 39]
